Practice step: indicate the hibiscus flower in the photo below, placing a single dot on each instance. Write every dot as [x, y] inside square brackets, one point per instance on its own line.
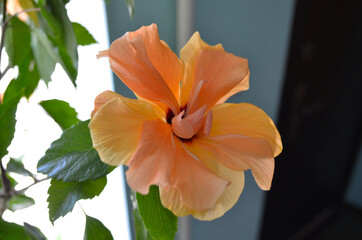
[179, 134]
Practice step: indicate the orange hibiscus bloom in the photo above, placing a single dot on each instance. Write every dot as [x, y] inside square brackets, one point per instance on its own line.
[179, 134]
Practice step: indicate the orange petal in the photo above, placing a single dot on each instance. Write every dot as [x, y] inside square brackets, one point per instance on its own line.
[171, 198]
[240, 153]
[189, 54]
[152, 162]
[187, 127]
[116, 127]
[147, 66]
[242, 86]
[13, 7]
[197, 186]
[222, 72]
[247, 120]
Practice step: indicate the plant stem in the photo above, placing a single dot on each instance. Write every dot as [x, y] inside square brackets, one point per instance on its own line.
[9, 192]
[3, 31]
[26, 188]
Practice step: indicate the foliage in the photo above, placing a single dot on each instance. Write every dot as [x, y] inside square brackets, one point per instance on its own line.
[159, 221]
[48, 37]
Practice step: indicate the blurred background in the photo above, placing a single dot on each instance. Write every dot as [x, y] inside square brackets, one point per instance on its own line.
[305, 59]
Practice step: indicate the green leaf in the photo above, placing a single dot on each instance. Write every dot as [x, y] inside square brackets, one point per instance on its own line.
[61, 112]
[12, 231]
[64, 37]
[25, 84]
[82, 35]
[28, 76]
[17, 41]
[26, 4]
[72, 157]
[34, 232]
[63, 195]
[7, 119]
[140, 229]
[130, 5]
[19, 202]
[44, 54]
[159, 221]
[95, 230]
[16, 166]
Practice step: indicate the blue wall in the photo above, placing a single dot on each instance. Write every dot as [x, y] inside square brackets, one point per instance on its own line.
[258, 30]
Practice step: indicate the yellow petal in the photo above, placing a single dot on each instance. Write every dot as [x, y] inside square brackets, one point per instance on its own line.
[147, 66]
[171, 199]
[116, 127]
[247, 120]
[102, 99]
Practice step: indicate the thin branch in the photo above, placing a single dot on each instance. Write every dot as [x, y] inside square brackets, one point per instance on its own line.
[5, 180]
[4, 26]
[5, 71]
[26, 188]
[3, 30]
[20, 12]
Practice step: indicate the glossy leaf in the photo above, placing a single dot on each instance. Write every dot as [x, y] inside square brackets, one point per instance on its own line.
[95, 230]
[18, 202]
[63, 195]
[140, 229]
[17, 41]
[16, 166]
[72, 157]
[34, 232]
[12, 231]
[159, 221]
[82, 35]
[45, 54]
[61, 112]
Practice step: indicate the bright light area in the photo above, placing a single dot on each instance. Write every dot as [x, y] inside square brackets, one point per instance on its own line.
[35, 131]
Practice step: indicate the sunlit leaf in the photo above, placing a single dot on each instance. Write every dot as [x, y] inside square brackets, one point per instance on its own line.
[83, 36]
[34, 232]
[63, 195]
[19, 202]
[61, 112]
[12, 231]
[7, 120]
[16, 166]
[72, 157]
[95, 230]
[64, 38]
[45, 54]
[159, 221]
[17, 41]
